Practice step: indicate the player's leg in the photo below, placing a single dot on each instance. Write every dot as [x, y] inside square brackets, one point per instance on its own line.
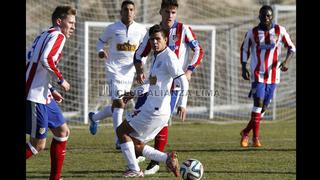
[61, 133]
[161, 139]
[36, 127]
[254, 123]
[117, 114]
[128, 150]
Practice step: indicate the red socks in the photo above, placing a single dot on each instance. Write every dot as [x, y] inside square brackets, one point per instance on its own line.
[57, 153]
[28, 151]
[161, 139]
[253, 124]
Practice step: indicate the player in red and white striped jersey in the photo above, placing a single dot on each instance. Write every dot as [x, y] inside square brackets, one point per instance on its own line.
[263, 43]
[43, 113]
[180, 39]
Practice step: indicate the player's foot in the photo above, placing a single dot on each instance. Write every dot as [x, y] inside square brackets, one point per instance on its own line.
[244, 142]
[93, 124]
[152, 168]
[256, 142]
[140, 159]
[132, 174]
[118, 147]
[173, 164]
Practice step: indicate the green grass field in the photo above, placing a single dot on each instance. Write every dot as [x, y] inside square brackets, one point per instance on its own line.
[215, 145]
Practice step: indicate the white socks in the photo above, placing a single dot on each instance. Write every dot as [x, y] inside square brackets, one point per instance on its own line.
[130, 155]
[153, 154]
[117, 120]
[105, 112]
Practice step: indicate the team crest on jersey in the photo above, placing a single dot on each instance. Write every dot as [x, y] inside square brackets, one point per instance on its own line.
[42, 130]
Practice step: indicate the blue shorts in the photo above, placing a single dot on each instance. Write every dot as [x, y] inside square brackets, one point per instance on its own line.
[40, 117]
[263, 91]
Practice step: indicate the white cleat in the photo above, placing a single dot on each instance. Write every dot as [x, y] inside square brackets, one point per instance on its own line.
[140, 159]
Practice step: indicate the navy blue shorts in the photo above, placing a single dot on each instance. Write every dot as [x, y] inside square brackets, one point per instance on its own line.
[40, 117]
[263, 91]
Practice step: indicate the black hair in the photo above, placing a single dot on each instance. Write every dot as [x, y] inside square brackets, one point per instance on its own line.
[157, 28]
[126, 2]
[266, 8]
[167, 3]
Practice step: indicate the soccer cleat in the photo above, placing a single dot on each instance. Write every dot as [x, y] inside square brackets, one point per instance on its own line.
[152, 168]
[93, 124]
[256, 142]
[141, 159]
[132, 173]
[173, 164]
[244, 142]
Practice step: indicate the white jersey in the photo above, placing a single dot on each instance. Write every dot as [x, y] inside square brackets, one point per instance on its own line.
[162, 72]
[41, 62]
[123, 42]
[265, 48]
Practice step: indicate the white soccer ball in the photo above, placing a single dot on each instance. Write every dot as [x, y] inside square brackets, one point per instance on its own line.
[191, 169]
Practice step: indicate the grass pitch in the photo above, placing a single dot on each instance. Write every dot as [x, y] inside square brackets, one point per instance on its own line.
[215, 145]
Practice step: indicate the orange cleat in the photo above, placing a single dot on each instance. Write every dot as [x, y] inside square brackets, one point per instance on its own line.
[173, 164]
[244, 142]
[256, 142]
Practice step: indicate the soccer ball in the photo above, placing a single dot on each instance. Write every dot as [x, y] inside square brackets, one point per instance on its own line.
[191, 169]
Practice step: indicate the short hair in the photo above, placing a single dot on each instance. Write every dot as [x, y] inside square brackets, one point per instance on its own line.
[157, 28]
[62, 12]
[266, 8]
[126, 2]
[168, 3]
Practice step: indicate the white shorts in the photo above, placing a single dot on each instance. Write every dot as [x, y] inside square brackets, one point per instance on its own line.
[119, 84]
[146, 124]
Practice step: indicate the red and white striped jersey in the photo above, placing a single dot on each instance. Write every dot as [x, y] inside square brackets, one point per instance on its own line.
[180, 37]
[265, 49]
[42, 58]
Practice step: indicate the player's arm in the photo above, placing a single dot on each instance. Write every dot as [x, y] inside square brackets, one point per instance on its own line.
[142, 51]
[290, 52]
[183, 97]
[244, 55]
[103, 39]
[193, 43]
[51, 52]
[135, 92]
[55, 94]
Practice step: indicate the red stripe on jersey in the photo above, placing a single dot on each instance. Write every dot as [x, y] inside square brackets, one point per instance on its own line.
[257, 68]
[178, 37]
[53, 51]
[274, 66]
[266, 56]
[200, 52]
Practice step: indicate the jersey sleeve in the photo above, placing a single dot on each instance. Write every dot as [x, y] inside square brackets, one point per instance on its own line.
[287, 40]
[193, 43]
[245, 47]
[52, 54]
[104, 38]
[143, 50]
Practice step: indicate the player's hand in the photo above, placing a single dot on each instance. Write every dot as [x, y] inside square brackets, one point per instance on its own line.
[188, 74]
[57, 96]
[245, 73]
[284, 66]
[65, 85]
[103, 54]
[182, 112]
[127, 96]
[140, 78]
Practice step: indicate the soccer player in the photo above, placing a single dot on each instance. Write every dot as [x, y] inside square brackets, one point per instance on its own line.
[145, 122]
[43, 112]
[181, 39]
[264, 42]
[124, 37]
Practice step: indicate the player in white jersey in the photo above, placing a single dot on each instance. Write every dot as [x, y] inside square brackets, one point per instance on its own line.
[123, 37]
[42, 112]
[145, 122]
[181, 39]
[264, 43]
